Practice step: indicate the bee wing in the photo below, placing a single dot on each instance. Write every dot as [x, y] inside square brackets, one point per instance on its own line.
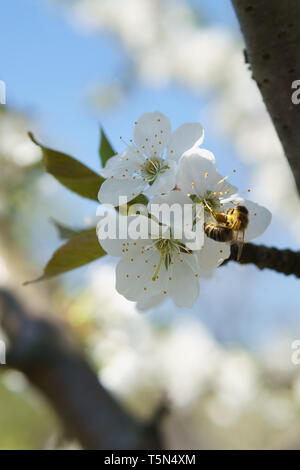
[239, 240]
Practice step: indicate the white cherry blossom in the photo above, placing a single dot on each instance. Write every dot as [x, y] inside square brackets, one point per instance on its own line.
[152, 269]
[149, 164]
[198, 176]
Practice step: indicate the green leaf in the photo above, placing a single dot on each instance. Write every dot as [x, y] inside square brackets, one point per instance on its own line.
[66, 232]
[71, 173]
[79, 250]
[140, 199]
[105, 150]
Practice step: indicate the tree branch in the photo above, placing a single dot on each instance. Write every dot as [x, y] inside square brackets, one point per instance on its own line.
[282, 261]
[271, 29]
[43, 352]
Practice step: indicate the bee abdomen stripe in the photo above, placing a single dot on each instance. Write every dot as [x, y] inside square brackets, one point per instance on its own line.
[219, 234]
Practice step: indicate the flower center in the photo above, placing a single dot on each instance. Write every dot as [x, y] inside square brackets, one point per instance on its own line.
[210, 200]
[152, 168]
[168, 247]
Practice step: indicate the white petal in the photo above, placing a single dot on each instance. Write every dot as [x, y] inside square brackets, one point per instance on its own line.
[187, 136]
[134, 276]
[164, 181]
[224, 189]
[202, 153]
[152, 133]
[128, 162]
[205, 273]
[259, 218]
[112, 189]
[172, 197]
[212, 254]
[197, 174]
[116, 246]
[183, 284]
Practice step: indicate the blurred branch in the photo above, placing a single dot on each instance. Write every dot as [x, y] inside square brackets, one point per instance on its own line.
[43, 352]
[282, 261]
[272, 33]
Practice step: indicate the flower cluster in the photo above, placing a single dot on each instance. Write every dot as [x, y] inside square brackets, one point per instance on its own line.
[173, 171]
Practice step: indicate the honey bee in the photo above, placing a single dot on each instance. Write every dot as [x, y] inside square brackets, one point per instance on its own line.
[229, 227]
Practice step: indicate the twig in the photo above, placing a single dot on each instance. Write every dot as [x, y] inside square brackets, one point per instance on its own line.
[282, 261]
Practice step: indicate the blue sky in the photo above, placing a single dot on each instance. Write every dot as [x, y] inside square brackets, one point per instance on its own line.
[48, 67]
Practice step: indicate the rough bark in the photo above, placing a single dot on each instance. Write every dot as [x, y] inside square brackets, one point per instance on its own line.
[43, 352]
[271, 29]
[282, 261]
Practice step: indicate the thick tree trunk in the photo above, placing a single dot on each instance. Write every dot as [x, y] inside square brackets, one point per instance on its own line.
[271, 29]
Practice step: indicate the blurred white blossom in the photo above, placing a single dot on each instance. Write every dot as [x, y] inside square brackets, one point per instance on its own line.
[167, 42]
